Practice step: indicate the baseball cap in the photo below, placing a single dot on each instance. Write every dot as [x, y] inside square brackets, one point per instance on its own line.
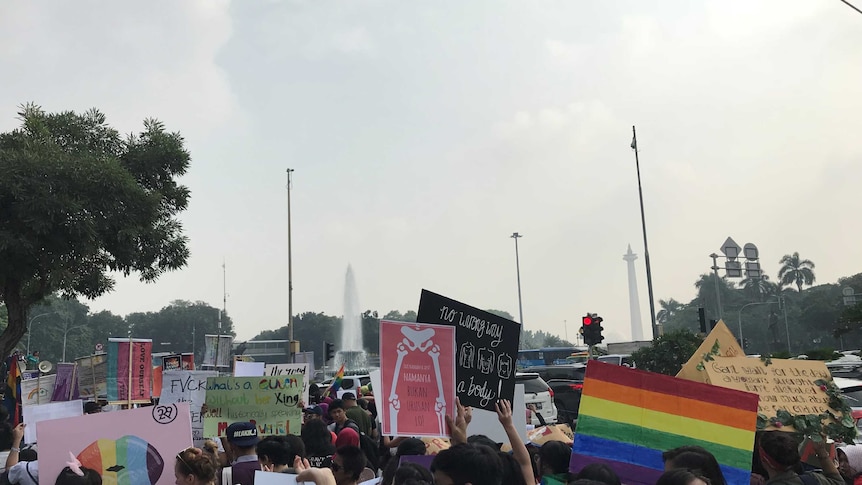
[348, 396]
[242, 434]
[315, 409]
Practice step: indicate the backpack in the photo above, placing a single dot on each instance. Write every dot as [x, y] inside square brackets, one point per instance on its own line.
[370, 449]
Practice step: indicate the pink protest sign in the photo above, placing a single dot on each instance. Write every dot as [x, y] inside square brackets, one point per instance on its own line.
[131, 447]
[417, 362]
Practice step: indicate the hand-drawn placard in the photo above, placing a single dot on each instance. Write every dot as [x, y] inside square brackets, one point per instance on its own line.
[417, 362]
[719, 342]
[486, 346]
[188, 386]
[270, 402]
[783, 384]
[288, 369]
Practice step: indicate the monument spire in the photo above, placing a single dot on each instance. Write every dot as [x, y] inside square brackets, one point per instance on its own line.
[634, 300]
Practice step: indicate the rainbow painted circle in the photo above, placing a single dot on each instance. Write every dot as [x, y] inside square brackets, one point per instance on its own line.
[125, 461]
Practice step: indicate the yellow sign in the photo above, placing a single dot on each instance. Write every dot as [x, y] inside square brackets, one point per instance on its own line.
[720, 340]
[783, 384]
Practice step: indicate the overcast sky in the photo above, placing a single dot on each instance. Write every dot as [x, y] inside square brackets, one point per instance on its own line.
[423, 134]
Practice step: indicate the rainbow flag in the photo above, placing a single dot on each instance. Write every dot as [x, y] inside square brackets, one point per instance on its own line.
[628, 417]
[336, 382]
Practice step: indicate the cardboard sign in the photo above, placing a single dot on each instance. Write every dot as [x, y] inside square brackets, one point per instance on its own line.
[45, 412]
[135, 446]
[628, 417]
[434, 446]
[66, 383]
[93, 376]
[130, 370]
[720, 338]
[188, 386]
[417, 363]
[272, 403]
[172, 362]
[486, 346]
[217, 350]
[289, 369]
[248, 369]
[556, 432]
[784, 384]
[487, 423]
[37, 391]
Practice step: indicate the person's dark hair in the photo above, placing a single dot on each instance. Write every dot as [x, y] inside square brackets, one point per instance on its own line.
[781, 447]
[352, 459]
[28, 454]
[680, 476]
[68, 477]
[413, 474]
[480, 439]
[277, 450]
[92, 407]
[408, 447]
[705, 462]
[512, 474]
[336, 404]
[5, 430]
[372, 407]
[555, 456]
[669, 455]
[599, 472]
[464, 463]
[313, 393]
[363, 403]
[194, 461]
[296, 445]
[317, 438]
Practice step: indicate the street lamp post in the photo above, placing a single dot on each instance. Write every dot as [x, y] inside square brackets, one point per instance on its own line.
[289, 277]
[517, 236]
[66, 331]
[739, 320]
[30, 325]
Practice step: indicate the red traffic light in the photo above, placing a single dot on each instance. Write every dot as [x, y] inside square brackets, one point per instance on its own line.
[588, 320]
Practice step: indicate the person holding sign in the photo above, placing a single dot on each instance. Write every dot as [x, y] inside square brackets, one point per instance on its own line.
[242, 438]
[779, 455]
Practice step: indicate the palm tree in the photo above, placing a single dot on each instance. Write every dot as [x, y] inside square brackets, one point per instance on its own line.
[669, 309]
[796, 271]
[757, 287]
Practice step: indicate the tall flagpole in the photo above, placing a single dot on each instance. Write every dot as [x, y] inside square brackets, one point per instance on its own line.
[289, 277]
[634, 146]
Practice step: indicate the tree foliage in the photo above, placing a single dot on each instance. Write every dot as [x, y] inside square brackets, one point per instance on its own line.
[795, 270]
[667, 354]
[77, 201]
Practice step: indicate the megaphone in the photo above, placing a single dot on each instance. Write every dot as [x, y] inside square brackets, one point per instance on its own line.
[45, 367]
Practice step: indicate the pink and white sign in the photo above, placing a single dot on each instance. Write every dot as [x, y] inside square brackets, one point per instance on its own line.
[417, 362]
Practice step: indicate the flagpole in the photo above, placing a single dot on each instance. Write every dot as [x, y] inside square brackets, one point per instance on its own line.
[634, 146]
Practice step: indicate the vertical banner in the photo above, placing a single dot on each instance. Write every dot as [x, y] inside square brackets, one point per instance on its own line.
[66, 384]
[188, 387]
[217, 350]
[225, 349]
[210, 342]
[93, 376]
[129, 370]
[128, 447]
[417, 363]
[487, 347]
[271, 402]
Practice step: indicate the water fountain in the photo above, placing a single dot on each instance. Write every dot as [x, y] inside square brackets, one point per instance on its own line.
[351, 353]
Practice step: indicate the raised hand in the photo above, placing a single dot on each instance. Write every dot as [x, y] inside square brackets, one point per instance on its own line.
[504, 412]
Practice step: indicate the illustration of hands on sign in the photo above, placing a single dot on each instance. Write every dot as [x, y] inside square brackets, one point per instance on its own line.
[417, 340]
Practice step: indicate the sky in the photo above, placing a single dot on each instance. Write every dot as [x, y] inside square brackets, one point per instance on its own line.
[423, 134]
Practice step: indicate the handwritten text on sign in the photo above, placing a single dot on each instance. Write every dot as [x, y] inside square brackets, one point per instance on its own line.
[486, 346]
[783, 384]
[188, 386]
[272, 403]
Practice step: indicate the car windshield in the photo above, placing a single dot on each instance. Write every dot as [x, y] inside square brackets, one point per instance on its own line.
[534, 385]
[853, 396]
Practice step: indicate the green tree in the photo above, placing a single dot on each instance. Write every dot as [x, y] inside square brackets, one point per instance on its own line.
[668, 353]
[669, 309]
[757, 288]
[796, 271]
[77, 202]
[502, 313]
[395, 315]
[173, 327]
[705, 286]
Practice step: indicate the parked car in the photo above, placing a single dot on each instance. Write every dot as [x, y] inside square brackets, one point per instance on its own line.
[567, 382]
[618, 359]
[851, 391]
[540, 394]
[350, 383]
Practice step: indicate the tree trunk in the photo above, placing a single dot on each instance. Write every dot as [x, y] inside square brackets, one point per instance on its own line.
[17, 319]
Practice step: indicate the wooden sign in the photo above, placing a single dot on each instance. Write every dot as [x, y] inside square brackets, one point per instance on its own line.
[486, 348]
[719, 342]
[783, 384]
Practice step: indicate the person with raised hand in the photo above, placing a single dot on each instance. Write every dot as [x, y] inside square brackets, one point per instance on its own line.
[519, 450]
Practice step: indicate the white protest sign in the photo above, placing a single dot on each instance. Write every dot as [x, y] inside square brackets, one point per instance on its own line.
[487, 423]
[37, 390]
[47, 412]
[273, 478]
[188, 386]
[248, 369]
[284, 369]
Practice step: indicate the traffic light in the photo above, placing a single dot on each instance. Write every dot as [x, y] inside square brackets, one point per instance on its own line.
[592, 329]
[701, 317]
[329, 351]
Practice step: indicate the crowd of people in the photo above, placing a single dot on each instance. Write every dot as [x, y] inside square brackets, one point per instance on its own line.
[340, 445]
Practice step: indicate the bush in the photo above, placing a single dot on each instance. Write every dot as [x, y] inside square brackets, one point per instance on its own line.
[668, 353]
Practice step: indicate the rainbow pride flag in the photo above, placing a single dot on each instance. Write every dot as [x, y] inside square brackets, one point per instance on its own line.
[336, 382]
[628, 417]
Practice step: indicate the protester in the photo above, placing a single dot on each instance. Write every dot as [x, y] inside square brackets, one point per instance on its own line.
[598, 472]
[850, 463]
[703, 461]
[779, 454]
[242, 439]
[75, 474]
[21, 470]
[407, 447]
[318, 443]
[312, 412]
[347, 465]
[553, 462]
[355, 413]
[194, 466]
[275, 454]
[412, 474]
[681, 476]
[465, 463]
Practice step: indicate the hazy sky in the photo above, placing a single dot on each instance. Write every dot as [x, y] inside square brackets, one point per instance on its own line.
[423, 134]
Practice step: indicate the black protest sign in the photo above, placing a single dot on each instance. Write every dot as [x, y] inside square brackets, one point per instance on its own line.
[486, 346]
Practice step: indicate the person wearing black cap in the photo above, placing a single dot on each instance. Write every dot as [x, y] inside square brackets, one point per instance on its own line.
[242, 438]
[312, 412]
[356, 413]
